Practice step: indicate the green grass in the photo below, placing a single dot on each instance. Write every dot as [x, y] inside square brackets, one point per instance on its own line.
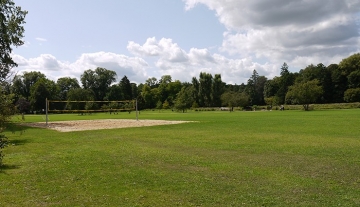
[278, 158]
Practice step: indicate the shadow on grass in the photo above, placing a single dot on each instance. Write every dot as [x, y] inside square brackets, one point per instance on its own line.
[5, 167]
[15, 142]
[15, 127]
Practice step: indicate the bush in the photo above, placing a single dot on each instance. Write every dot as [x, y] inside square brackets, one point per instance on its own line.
[3, 143]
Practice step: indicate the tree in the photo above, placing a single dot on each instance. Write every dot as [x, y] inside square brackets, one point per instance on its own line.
[205, 86]
[149, 96]
[79, 94]
[43, 89]
[159, 105]
[352, 95]
[22, 105]
[321, 73]
[22, 83]
[286, 80]
[304, 93]
[11, 33]
[152, 82]
[165, 79]
[126, 88]
[339, 83]
[195, 91]
[354, 79]
[350, 64]
[217, 89]
[7, 110]
[184, 99]
[134, 90]
[172, 89]
[235, 99]
[271, 87]
[98, 80]
[166, 105]
[115, 93]
[65, 84]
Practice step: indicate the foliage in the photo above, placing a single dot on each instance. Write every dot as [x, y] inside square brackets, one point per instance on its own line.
[7, 110]
[79, 94]
[205, 85]
[126, 88]
[304, 93]
[235, 99]
[115, 93]
[3, 143]
[65, 84]
[22, 105]
[11, 33]
[217, 89]
[22, 84]
[159, 105]
[43, 89]
[352, 95]
[166, 105]
[207, 91]
[184, 99]
[98, 80]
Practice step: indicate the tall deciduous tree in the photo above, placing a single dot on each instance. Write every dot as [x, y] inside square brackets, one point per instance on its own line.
[304, 93]
[11, 33]
[79, 94]
[43, 89]
[184, 99]
[205, 83]
[195, 91]
[65, 84]
[22, 83]
[98, 80]
[217, 89]
[234, 99]
[12, 19]
[352, 95]
[339, 83]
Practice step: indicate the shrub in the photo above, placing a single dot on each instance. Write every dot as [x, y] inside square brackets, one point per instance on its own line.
[3, 143]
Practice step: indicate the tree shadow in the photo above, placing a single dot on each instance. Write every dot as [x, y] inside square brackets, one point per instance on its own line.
[15, 127]
[15, 142]
[6, 167]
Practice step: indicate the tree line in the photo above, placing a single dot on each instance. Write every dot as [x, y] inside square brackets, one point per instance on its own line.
[314, 84]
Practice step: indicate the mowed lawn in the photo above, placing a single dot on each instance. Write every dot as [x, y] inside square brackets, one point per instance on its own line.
[278, 158]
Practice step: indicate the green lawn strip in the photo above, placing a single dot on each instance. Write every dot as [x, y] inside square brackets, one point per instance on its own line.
[241, 158]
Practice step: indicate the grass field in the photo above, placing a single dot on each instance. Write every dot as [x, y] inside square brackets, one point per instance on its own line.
[278, 158]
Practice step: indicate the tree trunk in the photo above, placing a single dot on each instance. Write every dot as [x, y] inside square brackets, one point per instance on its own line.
[306, 107]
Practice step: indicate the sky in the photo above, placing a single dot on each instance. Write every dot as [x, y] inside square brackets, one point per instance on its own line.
[143, 39]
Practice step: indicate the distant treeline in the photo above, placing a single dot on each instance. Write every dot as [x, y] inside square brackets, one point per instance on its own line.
[318, 84]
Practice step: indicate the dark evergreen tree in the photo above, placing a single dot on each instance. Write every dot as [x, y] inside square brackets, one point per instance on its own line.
[126, 88]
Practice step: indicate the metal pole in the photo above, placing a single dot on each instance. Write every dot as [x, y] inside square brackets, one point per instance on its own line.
[136, 106]
[46, 109]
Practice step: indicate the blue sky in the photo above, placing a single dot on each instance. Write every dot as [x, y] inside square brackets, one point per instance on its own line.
[142, 38]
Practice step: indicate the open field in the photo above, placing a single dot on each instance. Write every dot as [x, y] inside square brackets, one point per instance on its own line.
[278, 158]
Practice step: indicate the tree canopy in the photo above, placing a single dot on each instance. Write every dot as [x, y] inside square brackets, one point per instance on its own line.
[12, 19]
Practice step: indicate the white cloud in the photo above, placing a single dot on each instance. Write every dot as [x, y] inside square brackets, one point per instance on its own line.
[41, 39]
[181, 65]
[133, 67]
[164, 48]
[288, 30]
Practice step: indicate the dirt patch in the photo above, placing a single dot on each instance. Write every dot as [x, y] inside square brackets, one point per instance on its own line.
[82, 125]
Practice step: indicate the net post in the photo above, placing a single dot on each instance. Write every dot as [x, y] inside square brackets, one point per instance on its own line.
[46, 110]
